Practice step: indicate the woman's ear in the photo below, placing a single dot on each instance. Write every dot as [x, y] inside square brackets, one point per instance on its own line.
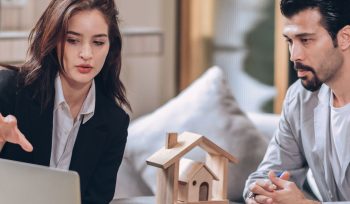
[344, 37]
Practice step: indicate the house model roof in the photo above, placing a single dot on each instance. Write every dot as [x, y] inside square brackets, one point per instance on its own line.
[189, 168]
[186, 141]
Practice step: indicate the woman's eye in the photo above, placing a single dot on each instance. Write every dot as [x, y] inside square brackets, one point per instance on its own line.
[99, 43]
[72, 41]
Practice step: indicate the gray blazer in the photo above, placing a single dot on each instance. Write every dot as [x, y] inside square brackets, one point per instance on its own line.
[302, 141]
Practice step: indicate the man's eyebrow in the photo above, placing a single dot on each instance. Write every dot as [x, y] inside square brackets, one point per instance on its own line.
[305, 35]
[300, 35]
[78, 34]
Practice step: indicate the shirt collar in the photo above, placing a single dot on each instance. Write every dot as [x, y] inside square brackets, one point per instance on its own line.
[59, 97]
[88, 108]
[324, 94]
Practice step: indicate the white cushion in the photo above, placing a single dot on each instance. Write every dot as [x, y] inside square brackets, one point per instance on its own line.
[206, 107]
[266, 123]
[129, 182]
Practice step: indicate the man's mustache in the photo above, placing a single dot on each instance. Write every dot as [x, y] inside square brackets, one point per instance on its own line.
[300, 66]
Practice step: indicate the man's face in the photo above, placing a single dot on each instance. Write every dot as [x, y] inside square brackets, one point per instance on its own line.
[311, 48]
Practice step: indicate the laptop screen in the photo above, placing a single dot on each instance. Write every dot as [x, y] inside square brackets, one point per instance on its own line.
[33, 184]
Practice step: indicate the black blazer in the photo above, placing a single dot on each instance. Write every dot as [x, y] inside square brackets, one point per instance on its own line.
[98, 149]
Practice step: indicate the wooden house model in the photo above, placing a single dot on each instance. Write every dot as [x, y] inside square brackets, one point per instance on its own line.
[184, 181]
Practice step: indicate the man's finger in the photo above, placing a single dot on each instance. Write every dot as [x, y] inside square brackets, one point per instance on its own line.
[263, 199]
[285, 175]
[266, 184]
[251, 201]
[275, 180]
[257, 189]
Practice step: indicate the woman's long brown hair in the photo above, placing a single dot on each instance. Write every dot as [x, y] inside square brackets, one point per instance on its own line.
[43, 64]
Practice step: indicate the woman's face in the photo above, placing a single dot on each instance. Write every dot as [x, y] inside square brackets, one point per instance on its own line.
[85, 49]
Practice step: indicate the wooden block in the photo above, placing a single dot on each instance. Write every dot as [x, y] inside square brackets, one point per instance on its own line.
[213, 149]
[167, 184]
[171, 140]
[163, 158]
[219, 165]
[183, 192]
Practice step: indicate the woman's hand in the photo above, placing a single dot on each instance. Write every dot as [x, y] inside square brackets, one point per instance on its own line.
[9, 132]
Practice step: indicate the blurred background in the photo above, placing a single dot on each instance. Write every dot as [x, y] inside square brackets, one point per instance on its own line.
[170, 43]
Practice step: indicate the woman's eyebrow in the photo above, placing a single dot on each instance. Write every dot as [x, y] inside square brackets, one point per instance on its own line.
[78, 34]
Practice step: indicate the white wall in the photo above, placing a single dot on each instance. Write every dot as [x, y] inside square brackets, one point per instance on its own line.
[149, 74]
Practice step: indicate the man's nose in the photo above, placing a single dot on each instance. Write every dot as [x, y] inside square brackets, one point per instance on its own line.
[296, 53]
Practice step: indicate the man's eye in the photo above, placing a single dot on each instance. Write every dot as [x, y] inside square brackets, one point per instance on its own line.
[72, 41]
[305, 40]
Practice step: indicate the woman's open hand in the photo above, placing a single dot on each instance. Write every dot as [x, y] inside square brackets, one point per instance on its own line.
[9, 132]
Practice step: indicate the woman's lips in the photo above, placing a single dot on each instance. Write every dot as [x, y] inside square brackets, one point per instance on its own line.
[84, 69]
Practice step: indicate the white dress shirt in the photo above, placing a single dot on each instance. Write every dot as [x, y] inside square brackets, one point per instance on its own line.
[340, 133]
[65, 129]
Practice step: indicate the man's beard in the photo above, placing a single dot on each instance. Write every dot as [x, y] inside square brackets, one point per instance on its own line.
[312, 84]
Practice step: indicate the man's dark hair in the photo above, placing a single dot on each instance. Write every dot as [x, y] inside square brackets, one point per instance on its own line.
[335, 13]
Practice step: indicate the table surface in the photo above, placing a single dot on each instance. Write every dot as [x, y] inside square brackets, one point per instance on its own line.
[135, 200]
[140, 200]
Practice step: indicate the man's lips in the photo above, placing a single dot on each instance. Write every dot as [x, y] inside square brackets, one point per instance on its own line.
[302, 73]
[302, 70]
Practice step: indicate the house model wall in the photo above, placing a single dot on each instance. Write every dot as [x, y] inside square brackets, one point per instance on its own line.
[195, 181]
[173, 185]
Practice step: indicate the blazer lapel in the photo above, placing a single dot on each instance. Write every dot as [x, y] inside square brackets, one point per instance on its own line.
[91, 140]
[321, 122]
[39, 133]
[322, 125]
[42, 132]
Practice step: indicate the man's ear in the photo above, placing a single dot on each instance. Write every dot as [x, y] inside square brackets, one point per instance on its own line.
[344, 37]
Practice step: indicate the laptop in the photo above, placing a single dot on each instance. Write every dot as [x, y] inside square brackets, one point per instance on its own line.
[23, 183]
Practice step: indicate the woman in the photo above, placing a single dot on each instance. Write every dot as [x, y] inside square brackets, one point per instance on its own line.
[67, 96]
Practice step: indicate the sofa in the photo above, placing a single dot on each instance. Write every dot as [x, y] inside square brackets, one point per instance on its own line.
[206, 107]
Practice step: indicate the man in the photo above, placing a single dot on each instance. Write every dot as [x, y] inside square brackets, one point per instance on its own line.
[314, 131]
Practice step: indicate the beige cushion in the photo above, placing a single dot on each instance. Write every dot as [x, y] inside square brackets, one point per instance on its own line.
[206, 107]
